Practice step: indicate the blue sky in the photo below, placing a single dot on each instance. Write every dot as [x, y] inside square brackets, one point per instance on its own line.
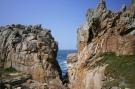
[63, 17]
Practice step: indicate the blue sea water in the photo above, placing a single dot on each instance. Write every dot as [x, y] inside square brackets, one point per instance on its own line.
[62, 59]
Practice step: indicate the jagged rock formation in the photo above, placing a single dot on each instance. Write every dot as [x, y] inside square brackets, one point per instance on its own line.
[103, 25]
[104, 32]
[105, 58]
[30, 49]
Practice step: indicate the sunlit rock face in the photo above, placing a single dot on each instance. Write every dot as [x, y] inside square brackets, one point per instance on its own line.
[29, 49]
[111, 32]
[104, 32]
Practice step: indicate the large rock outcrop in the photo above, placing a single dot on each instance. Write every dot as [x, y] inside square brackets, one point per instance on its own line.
[30, 49]
[104, 32]
[108, 31]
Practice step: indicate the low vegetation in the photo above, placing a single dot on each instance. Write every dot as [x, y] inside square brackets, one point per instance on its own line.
[9, 70]
[120, 72]
[4, 73]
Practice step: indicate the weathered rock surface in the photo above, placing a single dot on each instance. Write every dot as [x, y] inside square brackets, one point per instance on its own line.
[108, 31]
[20, 80]
[71, 60]
[104, 32]
[32, 84]
[30, 49]
[13, 80]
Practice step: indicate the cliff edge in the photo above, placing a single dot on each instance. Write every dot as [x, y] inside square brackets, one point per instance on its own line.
[106, 49]
[30, 50]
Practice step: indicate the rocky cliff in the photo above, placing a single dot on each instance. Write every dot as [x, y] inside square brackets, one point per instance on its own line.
[30, 50]
[105, 58]
[105, 41]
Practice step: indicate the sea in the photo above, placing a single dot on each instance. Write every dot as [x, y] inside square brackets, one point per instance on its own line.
[62, 59]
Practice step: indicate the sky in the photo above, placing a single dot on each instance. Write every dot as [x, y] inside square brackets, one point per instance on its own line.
[62, 17]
